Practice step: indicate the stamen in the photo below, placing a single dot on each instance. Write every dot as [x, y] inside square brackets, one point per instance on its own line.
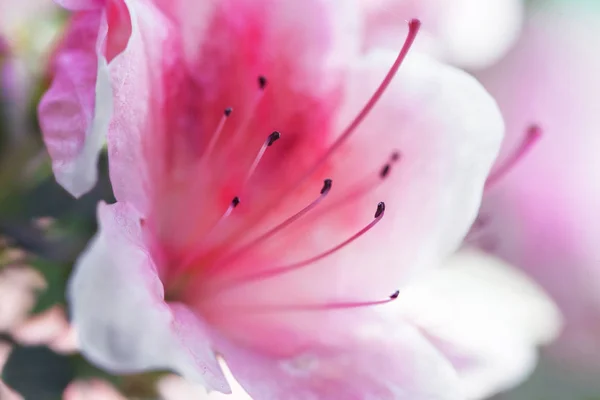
[344, 305]
[369, 183]
[277, 271]
[413, 28]
[251, 110]
[380, 209]
[533, 134]
[272, 138]
[194, 254]
[215, 137]
[385, 171]
[234, 203]
[327, 183]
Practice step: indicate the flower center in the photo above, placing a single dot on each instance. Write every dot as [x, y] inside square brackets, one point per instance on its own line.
[213, 270]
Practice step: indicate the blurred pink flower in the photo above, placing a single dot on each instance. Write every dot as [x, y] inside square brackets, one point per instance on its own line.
[469, 33]
[49, 328]
[544, 215]
[229, 237]
[93, 389]
[18, 294]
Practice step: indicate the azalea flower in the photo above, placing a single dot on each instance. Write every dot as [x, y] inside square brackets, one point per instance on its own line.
[278, 188]
[543, 214]
[468, 33]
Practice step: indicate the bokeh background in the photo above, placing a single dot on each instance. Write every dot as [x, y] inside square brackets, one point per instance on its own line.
[43, 229]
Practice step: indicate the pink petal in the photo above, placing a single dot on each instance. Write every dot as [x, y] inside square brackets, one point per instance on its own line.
[173, 387]
[448, 131]
[118, 308]
[374, 361]
[138, 95]
[43, 328]
[91, 390]
[75, 112]
[77, 5]
[6, 393]
[66, 342]
[179, 89]
[486, 317]
[17, 294]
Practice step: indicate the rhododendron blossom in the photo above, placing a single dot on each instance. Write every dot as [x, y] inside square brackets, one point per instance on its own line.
[277, 188]
[543, 216]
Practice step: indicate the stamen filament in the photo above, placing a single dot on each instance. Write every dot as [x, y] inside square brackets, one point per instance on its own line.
[342, 305]
[272, 138]
[533, 134]
[215, 137]
[251, 110]
[193, 255]
[368, 183]
[277, 271]
[327, 183]
[413, 28]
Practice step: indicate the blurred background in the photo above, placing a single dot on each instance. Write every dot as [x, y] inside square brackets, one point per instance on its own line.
[543, 216]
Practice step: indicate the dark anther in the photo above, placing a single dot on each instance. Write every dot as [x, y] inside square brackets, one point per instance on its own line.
[235, 202]
[385, 171]
[262, 82]
[380, 209]
[228, 111]
[326, 186]
[395, 295]
[273, 137]
[395, 156]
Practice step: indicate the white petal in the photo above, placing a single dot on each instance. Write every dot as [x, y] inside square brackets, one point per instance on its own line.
[118, 308]
[486, 317]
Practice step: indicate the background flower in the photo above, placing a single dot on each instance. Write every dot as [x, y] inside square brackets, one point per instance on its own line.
[544, 215]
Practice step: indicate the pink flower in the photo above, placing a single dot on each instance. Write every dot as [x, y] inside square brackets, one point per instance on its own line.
[94, 389]
[250, 176]
[543, 215]
[18, 286]
[469, 33]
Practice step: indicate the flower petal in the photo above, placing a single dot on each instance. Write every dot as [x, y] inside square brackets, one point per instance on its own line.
[118, 308]
[486, 317]
[75, 112]
[448, 132]
[75, 5]
[469, 33]
[374, 362]
[178, 73]
[94, 389]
